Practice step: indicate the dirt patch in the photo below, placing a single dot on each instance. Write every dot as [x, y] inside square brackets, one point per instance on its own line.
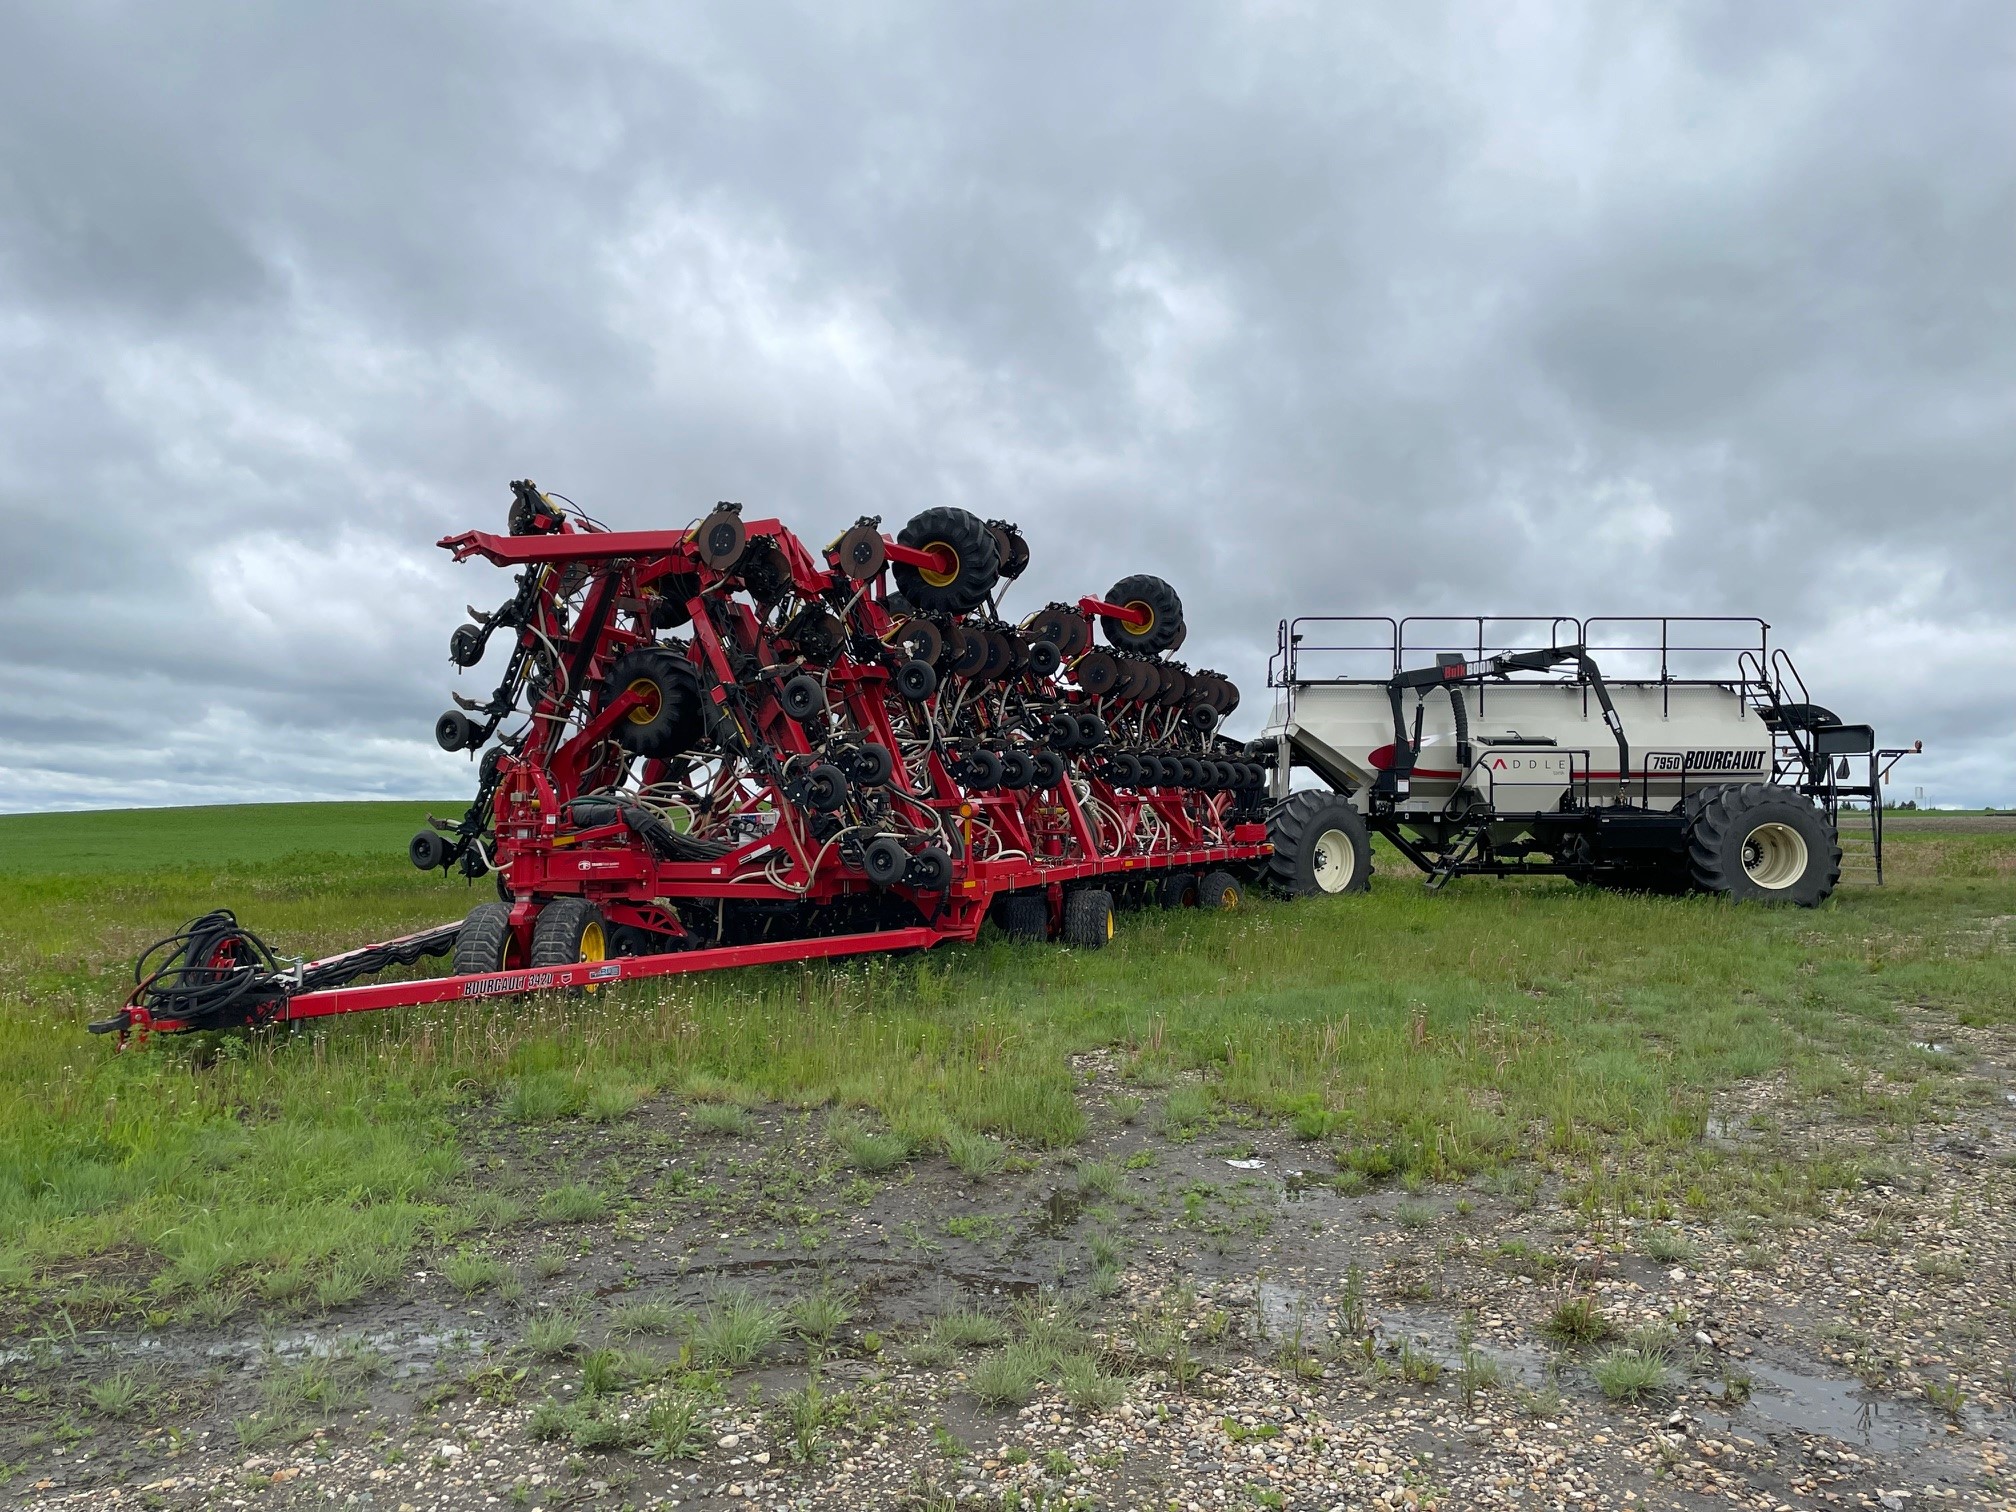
[1239, 1324]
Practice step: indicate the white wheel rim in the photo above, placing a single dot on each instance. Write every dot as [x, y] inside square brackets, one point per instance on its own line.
[1774, 855]
[1336, 861]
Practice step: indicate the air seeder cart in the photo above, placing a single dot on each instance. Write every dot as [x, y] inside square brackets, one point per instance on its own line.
[716, 746]
[1659, 754]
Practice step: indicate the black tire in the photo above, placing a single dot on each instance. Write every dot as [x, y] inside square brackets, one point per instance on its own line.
[430, 850]
[1763, 844]
[1064, 627]
[885, 860]
[568, 930]
[1049, 771]
[1165, 614]
[825, 788]
[983, 770]
[484, 945]
[1088, 918]
[1010, 548]
[1321, 846]
[1017, 770]
[916, 680]
[1044, 658]
[976, 561]
[668, 606]
[870, 765]
[803, 698]
[455, 731]
[1177, 890]
[1220, 892]
[1023, 916]
[668, 721]
[930, 869]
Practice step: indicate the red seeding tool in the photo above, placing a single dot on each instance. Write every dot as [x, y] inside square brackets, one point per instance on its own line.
[715, 746]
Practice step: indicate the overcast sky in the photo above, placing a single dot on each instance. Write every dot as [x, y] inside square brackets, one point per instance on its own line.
[1587, 309]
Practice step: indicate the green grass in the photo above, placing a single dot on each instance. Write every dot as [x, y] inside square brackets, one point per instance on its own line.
[140, 840]
[1630, 1375]
[734, 1329]
[1577, 1323]
[1424, 1036]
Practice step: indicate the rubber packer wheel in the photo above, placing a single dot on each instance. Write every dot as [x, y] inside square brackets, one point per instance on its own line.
[1023, 916]
[484, 945]
[1220, 892]
[1761, 844]
[1088, 918]
[975, 564]
[1164, 609]
[1177, 890]
[569, 930]
[1321, 845]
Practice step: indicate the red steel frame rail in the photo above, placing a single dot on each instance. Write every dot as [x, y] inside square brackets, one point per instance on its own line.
[972, 896]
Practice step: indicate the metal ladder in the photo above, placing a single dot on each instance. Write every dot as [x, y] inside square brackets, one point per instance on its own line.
[1858, 822]
[1860, 831]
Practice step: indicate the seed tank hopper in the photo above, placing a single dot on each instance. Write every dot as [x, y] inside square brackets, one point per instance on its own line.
[1660, 754]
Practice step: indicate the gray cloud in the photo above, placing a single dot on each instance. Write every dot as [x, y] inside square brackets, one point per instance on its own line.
[1589, 308]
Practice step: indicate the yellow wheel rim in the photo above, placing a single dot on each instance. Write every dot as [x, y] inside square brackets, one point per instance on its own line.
[1143, 626]
[653, 701]
[594, 946]
[1109, 923]
[935, 577]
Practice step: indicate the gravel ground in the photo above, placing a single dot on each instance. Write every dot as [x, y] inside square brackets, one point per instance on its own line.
[1255, 1335]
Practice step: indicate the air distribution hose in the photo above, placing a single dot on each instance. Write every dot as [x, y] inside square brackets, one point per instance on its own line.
[211, 971]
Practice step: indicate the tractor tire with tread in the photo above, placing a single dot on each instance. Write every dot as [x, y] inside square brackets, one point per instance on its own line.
[976, 561]
[1220, 892]
[669, 720]
[1321, 845]
[1760, 843]
[484, 945]
[1165, 614]
[1023, 916]
[568, 930]
[1088, 918]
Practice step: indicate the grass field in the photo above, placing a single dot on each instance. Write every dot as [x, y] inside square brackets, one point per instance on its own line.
[1435, 1040]
[145, 841]
[1416, 1032]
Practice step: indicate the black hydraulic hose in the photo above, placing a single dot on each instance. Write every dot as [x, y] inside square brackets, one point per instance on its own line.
[1462, 729]
[211, 971]
[1594, 676]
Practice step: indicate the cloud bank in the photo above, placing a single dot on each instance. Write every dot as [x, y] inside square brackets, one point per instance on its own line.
[1588, 309]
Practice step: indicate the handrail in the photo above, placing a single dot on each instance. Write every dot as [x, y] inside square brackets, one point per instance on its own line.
[1392, 640]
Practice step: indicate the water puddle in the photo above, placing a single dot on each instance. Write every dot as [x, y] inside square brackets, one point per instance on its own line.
[1842, 1410]
[402, 1354]
[1060, 1211]
[1434, 1335]
[1288, 1312]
